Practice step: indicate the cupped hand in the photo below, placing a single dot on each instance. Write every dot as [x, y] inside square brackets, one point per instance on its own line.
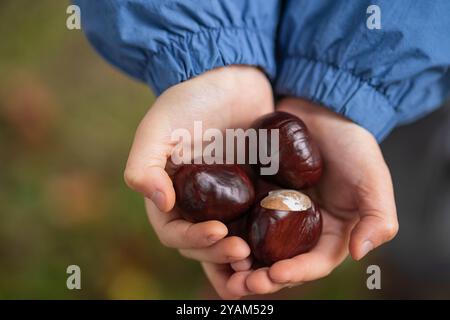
[229, 97]
[356, 197]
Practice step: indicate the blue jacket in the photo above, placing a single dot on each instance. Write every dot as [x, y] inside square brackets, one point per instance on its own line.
[318, 49]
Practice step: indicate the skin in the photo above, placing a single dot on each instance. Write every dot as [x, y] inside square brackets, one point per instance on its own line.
[356, 197]
[218, 99]
[355, 192]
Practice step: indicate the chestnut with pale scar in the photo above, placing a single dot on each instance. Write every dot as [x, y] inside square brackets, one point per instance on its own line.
[283, 225]
[290, 200]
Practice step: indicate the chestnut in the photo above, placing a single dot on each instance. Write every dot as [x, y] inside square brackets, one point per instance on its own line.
[238, 227]
[284, 224]
[213, 192]
[300, 162]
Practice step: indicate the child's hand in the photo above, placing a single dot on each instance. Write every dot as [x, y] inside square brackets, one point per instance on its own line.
[356, 197]
[230, 97]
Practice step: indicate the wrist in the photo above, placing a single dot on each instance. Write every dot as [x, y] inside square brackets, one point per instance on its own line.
[319, 118]
[239, 80]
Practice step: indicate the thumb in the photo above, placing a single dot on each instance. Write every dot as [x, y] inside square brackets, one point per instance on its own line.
[145, 169]
[378, 217]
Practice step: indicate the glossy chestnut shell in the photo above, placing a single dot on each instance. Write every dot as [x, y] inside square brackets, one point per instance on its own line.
[238, 227]
[275, 234]
[213, 192]
[300, 162]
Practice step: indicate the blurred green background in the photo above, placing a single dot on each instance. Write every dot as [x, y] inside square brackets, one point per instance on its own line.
[67, 121]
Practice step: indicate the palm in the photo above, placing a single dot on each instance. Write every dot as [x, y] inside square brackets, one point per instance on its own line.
[339, 191]
[231, 97]
[355, 194]
[217, 102]
[354, 170]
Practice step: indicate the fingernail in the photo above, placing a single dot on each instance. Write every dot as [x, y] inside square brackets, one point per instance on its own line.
[158, 199]
[232, 259]
[366, 247]
[242, 265]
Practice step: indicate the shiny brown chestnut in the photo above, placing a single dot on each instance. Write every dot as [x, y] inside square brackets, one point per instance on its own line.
[285, 224]
[238, 227]
[300, 162]
[213, 192]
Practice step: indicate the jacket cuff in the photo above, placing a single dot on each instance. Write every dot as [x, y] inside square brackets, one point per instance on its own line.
[199, 52]
[338, 90]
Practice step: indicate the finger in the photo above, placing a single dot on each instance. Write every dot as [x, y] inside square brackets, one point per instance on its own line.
[259, 282]
[373, 230]
[227, 250]
[242, 265]
[145, 169]
[236, 284]
[378, 217]
[175, 232]
[329, 252]
[218, 275]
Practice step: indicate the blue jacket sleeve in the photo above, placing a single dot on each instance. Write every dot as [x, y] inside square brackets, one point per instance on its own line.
[166, 42]
[379, 77]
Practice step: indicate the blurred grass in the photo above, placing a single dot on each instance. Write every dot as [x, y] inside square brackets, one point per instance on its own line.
[66, 124]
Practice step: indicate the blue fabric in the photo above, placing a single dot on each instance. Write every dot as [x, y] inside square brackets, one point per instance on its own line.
[377, 78]
[166, 42]
[321, 50]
